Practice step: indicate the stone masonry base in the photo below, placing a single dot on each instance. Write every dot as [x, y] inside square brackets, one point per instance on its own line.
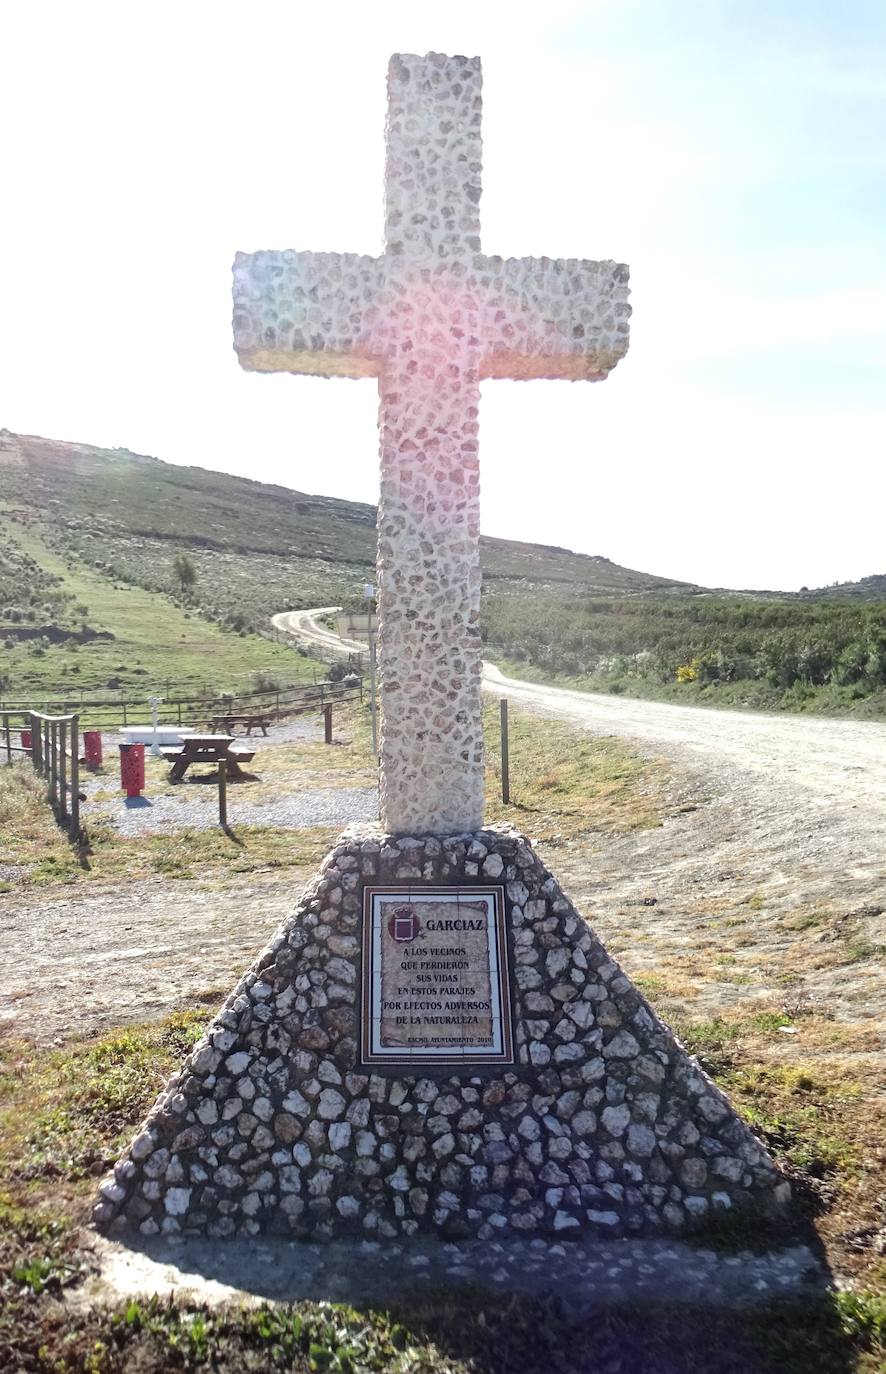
[604, 1124]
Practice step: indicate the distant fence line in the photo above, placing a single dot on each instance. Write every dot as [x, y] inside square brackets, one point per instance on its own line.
[115, 712]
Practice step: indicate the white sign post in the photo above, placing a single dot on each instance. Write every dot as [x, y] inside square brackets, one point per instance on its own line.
[155, 703]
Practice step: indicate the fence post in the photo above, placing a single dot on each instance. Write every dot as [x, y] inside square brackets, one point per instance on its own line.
[8, 733]
[222, 793]
[327, 724]
[63, 767]
[75, 777]
[123, 704]
[505, 761]
[53, 762]
[36, 742]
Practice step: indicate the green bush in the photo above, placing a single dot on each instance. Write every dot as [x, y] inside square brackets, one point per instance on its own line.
[709, 641]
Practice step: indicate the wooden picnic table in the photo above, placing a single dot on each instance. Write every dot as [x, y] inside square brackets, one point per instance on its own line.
[206, 749]
[250, 720]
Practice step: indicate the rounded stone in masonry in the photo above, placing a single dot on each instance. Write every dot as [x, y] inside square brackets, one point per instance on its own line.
[613, 1131]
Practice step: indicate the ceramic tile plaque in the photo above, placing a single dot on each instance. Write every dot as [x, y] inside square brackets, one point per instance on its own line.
[435, 977]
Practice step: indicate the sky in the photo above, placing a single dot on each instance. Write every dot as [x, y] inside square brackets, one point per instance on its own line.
[732, 153]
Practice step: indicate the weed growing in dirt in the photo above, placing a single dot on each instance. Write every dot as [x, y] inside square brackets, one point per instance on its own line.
[65, 1113]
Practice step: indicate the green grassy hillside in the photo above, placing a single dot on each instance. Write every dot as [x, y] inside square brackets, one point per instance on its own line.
[129, 514]
[93, 535]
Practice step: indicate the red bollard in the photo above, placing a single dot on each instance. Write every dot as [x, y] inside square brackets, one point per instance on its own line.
[92, 748]
[132, 768]
[26, 739]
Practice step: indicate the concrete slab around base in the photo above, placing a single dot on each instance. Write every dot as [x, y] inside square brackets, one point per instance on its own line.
[587, 1274]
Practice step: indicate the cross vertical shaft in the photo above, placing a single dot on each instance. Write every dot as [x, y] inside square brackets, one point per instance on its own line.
[433, 157]
[430, 317]
[429, 506]
[429, 605]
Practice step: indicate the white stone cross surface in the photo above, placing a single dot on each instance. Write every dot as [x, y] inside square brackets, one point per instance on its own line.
[431, 317]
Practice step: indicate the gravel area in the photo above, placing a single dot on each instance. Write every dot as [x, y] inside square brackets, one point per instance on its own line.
[586, 1274]
[197, 808]
[308, 728]
[298, 811]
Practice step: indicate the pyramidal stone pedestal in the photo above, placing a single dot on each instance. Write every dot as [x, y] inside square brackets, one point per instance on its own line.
[392, 1065]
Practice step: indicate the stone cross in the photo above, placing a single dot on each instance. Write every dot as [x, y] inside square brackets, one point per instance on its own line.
[431, 317]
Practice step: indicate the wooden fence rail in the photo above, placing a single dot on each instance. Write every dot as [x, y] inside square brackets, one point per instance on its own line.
[115, 712]
[11, 724]
[55, 755]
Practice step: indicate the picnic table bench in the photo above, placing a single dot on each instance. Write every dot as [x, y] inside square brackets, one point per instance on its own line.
[206, 749]
[229, 719]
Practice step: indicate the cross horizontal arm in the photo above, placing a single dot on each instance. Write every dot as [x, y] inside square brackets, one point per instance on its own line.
[306, 312]
[552, 317]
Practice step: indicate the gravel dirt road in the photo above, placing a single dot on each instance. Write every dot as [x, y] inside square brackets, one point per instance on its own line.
[81, 960]
[305, 626]
[764, 887]
[776, 829]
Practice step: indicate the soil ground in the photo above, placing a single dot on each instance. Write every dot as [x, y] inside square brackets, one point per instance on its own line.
[767, 879]
[738, 876]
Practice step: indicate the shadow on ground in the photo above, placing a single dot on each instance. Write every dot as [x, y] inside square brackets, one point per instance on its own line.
[655, 1306]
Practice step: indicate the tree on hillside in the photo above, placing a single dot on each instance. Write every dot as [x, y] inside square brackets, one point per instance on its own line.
[184, 572]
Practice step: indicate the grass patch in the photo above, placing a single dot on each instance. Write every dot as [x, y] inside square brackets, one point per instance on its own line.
[803, 1113]
[65, 1115]
[805, 919]
[821, 1120]
[153, 641]
[30, 838]
[462, 1332]
[564, 782]
[712, 1041]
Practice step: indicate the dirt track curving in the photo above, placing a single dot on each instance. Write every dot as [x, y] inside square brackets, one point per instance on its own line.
[777, 828]
[304, 626]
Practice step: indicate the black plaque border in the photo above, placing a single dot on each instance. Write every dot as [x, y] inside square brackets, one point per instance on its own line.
[438, 1061]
